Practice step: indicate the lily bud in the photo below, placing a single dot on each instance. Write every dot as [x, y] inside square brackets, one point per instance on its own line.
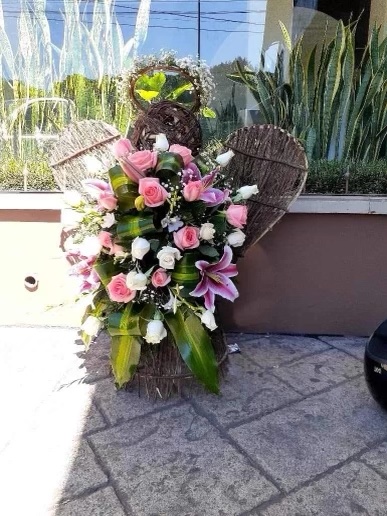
[224, 159]
[139, 203]
[161, 143]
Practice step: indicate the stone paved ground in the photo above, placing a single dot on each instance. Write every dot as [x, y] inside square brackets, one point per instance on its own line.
[294, 433]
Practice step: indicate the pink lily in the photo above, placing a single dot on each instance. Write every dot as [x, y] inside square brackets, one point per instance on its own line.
[191, 173]
[102, 192]
[213, 196]
[216, 280]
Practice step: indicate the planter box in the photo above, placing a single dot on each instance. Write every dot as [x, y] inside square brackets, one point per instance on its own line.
[322, 270]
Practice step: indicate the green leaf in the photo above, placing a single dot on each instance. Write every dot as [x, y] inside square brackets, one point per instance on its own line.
[186, 274]
[286, 36]
[208, 112]
[132, 320]
[149, 87]
[124, 357]
[195, 347]
[147, 95]
[132, 226]
[208, 250]
[125, 190]
[175, 94]
[105, 271]
[169, 162]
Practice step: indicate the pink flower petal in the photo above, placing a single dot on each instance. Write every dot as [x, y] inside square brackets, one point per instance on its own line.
[201, 288]
[223, 262]
[226, 289]
[230, 271]
[201, 265]
[209, 300]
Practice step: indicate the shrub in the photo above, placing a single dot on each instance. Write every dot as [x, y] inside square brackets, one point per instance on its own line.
[39, 175]
[338, 177]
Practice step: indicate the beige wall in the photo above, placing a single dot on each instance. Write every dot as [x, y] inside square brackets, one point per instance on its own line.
[378, 15]
[318, 274]
[33, 247]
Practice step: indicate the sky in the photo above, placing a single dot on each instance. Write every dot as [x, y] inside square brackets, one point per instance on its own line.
[229, 28]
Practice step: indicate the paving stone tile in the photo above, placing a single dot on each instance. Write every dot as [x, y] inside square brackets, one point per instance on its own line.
[91, 365]
[273, 350]
[246, 391]
[123, 405]
[312, 374]
[296, 443]
[352, 345]
[236, 338]
[175, 463]
[32, 361]
[351, 490]
[102, 503]
[48, 456]
[377, 458]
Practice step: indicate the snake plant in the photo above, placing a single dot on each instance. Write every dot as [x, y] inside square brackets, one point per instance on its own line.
[338, 108]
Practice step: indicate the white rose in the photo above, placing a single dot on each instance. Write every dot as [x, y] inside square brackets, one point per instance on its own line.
[136, 280]
[224, 159]
[93, 164]
[207, 231]
[91, 326]
[108, 220]
[161, 143]
[155, 332]
[72, 198]
[167, 257]
[208, 320]
[90, 246]
[140, 246]
[247, 191]
[236, 238]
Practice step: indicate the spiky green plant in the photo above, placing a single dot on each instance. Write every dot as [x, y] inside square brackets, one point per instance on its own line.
[338, 109]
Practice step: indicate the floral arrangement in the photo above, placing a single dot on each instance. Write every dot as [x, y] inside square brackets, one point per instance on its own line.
[197, 69]
[153, 248]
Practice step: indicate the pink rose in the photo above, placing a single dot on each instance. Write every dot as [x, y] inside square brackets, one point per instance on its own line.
[154, 194]
[192, 191]
[160, 278]
[105, 239]
[108, 201]
[184, 152]
[187, 237]
[236, 215]
[118, 290]
[135, 165]
[122, 148]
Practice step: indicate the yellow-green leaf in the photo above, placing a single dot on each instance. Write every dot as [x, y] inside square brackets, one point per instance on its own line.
[124, 357]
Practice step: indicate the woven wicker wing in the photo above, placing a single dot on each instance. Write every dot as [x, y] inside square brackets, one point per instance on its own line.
[179, 124]
[70, 155]
[274, 160]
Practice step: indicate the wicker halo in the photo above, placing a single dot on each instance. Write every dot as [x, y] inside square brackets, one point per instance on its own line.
[274, 160]
[168, 68]
[178, 123]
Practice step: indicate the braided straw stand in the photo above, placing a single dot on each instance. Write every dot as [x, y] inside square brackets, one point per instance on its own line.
[162, 373]
[68, 156]
[274, 160]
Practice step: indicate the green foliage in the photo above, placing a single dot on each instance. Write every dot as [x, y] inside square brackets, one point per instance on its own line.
[338, 177]
[195, 347]
[337, 110]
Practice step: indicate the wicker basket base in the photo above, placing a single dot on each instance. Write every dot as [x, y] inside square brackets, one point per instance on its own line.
[162, 372]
